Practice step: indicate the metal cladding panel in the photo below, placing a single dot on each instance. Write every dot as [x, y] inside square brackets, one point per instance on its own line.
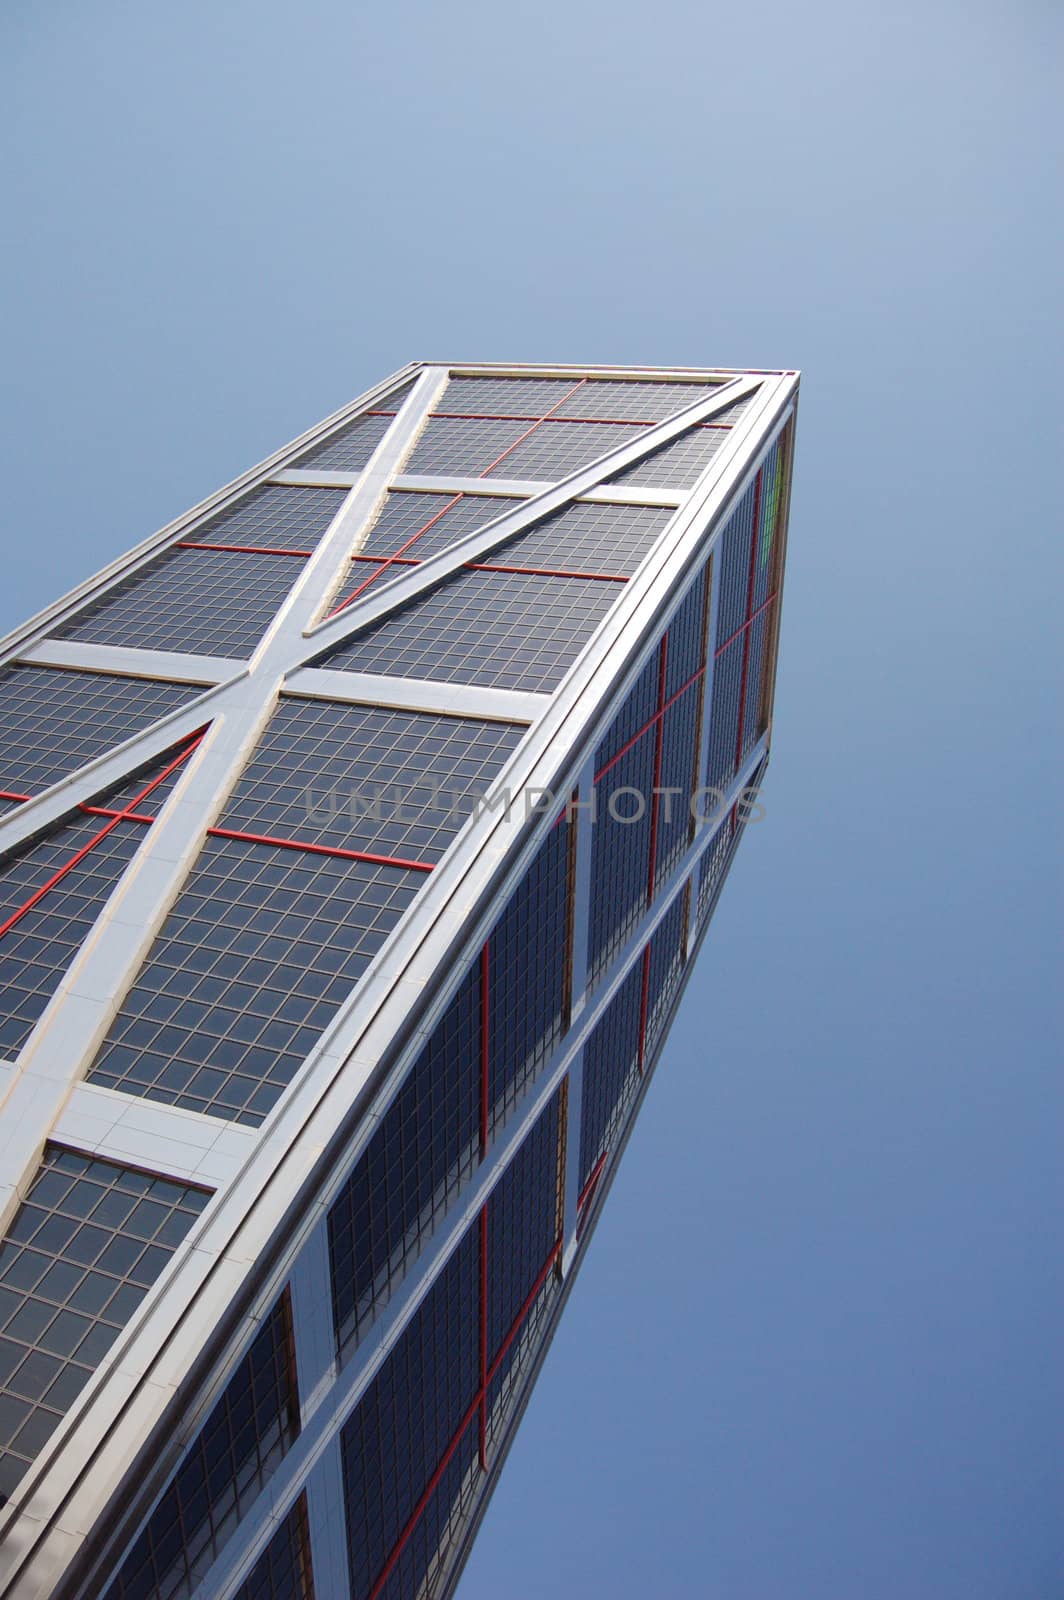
[53, 721]
[499, 629]
[212, 602]
[425, 1148]
[284, 1570]
[79, 1256]
[260, 950]
[237, 1450]
[391, 783]
[403, 1428]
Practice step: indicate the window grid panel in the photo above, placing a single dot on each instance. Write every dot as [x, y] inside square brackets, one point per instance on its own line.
[621, 400]
[522, 1225]
[678, 464]
[350, 447]
[283, 1571]
[715, 863]
[503, 630]
[273, 517]
[611, 1071]
[453, 448]
[587, 537]
[620, 854]
[724, 717]
[529, 398]
[421, 1562]
[393, 783]
[734, 547]
[405, 515]
[53, 721]
[639, 706]
[679, 750]
[686, 652]
[665, 970]
[528, 967]
[425, 1149]
[238, 1448]
[507, 1382]
[771, 487]
[37, 950]
[261, 948]
[408, 1418]
[556, 449]
[82, 1251]
[210, 602]
[752, 698]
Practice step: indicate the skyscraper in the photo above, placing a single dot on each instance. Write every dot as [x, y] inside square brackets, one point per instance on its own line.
[358, 833]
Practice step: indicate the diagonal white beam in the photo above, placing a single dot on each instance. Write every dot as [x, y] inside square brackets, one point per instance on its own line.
[40, 626]
[66, 1037]
[476, 545]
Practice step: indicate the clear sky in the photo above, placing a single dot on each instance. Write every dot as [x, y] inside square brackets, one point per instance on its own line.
[816, 1349]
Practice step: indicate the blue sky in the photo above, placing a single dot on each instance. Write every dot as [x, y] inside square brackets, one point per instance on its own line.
[815, 1351]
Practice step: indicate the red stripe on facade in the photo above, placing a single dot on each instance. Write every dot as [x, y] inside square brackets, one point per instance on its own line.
[321, 849]
[742, 629]
[241, 549]
[479, 1400]
[89, 811]
[529, 1302]
[538, 423]
[389, 560]
[116, 818]
[397, 561]
[599, 422]
[596, 1172]
[545, 572]
[650, 723]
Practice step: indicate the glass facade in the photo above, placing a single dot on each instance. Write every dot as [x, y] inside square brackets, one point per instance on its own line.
[79, 1256]
[413, 1234]
[237, 1450]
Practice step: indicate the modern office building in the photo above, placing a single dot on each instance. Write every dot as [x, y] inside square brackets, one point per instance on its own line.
[358, 833]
